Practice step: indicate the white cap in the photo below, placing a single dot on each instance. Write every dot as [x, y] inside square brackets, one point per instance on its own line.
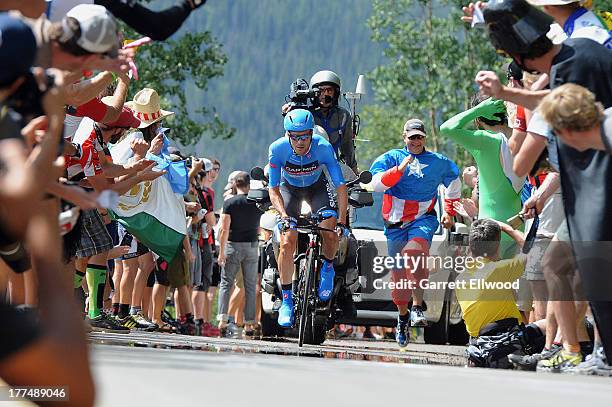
[207, 164]
[99, 34]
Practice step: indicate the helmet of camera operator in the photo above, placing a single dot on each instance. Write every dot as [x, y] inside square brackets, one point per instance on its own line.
[514, 26]
[327, 78]
[299, 120]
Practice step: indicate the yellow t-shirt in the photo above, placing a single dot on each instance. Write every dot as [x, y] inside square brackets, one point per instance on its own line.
[483, 302]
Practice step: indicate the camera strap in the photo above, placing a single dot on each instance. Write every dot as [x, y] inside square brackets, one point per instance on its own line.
[99, 136]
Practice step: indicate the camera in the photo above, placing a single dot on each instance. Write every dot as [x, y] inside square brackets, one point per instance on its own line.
[27, 99]
[301, 95]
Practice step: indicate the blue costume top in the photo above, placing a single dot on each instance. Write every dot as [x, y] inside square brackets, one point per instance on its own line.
[302, 170]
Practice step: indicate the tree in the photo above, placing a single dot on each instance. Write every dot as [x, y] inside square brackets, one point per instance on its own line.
[432, 59]
[171, 68]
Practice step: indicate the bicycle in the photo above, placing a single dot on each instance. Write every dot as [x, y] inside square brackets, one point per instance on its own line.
[311, 327]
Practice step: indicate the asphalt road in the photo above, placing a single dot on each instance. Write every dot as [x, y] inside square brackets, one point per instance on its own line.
[170, 370]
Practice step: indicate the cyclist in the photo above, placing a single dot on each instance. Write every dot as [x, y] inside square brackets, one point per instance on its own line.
[410, 178]
[296, 175]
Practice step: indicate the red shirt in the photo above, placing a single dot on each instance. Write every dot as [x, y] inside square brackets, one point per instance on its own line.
[519, 120]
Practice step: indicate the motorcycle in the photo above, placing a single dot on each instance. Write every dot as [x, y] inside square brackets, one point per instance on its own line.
[313, 317]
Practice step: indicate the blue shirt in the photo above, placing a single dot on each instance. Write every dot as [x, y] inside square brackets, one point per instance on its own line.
[302, 170]
[422, 177]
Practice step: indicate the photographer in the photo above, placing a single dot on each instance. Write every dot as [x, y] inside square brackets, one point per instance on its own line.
[55, 345]
[337, 121]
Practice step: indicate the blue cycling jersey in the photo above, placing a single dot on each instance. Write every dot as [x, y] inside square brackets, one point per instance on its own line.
[302, 170]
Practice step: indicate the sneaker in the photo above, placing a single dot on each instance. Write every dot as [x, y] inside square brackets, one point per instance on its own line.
[595, 364]
[326, 284]
[560, 362]
[529, 362]
[209, 330]
[285, 314]
[147, 325]
[104, 323]
[131, 322]
[401, 333]
[368, 335]
[417, 317]
[234, 330]
[187, 328]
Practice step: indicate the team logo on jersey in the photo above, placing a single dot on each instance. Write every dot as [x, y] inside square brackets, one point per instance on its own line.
[296, 169]
[416, 168]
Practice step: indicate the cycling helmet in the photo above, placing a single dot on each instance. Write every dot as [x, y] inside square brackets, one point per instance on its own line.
[516, 27]
[299, 120]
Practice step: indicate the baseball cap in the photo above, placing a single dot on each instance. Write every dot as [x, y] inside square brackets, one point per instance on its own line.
[414, 126]
[99, 34]
[17, 48]
[230, 180]
[207, 164]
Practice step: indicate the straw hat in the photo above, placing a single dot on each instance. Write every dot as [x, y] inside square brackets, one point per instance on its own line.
[147, 108]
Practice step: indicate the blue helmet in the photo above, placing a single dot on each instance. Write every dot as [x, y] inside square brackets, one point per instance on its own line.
[299, 120]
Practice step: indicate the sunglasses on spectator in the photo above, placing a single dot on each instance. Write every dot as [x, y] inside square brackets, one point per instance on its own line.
[300, 137]
[416, 137]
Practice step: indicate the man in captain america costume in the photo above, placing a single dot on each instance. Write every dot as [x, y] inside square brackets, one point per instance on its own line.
[409, 178]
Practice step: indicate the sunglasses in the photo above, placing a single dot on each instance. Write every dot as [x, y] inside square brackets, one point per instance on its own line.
[416, 137]
[216, 169]
[300, 137]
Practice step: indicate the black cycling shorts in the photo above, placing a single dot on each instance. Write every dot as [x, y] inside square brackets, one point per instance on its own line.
[320, 196]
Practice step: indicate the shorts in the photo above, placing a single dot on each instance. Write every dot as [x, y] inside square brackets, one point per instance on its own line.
[19, 330]
[175, 274]
[562, 233]
[137, 248]
[94, 238]
[533, 268]
[16, 257]
[206, 269]
[421, 228]
[151, 279]
[319, 196]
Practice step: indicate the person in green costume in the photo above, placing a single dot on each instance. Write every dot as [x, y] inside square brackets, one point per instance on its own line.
[499, 188]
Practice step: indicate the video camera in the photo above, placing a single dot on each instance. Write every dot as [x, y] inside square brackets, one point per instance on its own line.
[301, 95]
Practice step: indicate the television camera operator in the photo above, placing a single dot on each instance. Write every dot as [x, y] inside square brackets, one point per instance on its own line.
[321, 99]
